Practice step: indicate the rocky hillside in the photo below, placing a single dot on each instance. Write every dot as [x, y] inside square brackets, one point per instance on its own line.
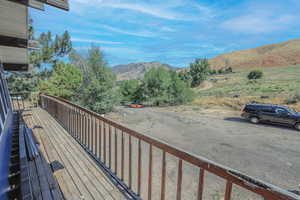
[136, 70]
[274, 55]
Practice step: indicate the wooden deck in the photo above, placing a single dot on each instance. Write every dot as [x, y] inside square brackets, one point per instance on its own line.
[75, 173]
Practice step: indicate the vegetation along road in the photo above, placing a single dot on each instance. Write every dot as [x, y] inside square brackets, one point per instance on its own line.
[269, 153]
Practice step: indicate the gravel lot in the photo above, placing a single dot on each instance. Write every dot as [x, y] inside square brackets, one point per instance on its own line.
[270, 153]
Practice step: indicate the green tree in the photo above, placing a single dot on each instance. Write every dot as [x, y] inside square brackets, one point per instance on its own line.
[99, 93]
[30, 29]
[213, 72]
[129, 90]
[165, 87]
[50, 51]
[26, 82]
[157, 82]
[64, 82]
[179, 91]
[255, 74]
[199, 71]
[62, 44]
[186, 77]
[81, 62]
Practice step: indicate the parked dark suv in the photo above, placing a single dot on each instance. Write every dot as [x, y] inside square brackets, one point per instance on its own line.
[271, 113]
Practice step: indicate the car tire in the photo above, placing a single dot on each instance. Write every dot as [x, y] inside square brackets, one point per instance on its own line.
[297, 126]
[254, 120]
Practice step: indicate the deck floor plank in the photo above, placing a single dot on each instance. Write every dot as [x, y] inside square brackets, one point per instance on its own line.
[79, 164]
[91, 171]
[108, 190]
[63, 159]
[80, 177]
[49, 154]
[49, 186]
[36, 189]
[65, 182]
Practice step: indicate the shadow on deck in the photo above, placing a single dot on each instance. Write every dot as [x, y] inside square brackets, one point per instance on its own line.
[75, 174]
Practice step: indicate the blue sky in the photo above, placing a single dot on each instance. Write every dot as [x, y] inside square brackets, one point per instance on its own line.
[172, 31]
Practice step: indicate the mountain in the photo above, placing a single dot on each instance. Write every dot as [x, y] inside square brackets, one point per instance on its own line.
[273, 55]
[136, 70]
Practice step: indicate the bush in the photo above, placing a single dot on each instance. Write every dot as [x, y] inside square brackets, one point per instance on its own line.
[186, 77]
[178, 91]
[64, 82]
[129, 90]
[229, 70]
[213, 71]
[293, 99]
[164, 87]
[255, 74]
[199, 70]
[220, 71]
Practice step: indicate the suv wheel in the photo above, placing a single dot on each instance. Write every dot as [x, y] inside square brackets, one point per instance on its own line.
[254, 120]
[297, 126]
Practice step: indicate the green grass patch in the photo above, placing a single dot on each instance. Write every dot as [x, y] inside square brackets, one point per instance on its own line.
[275, 82]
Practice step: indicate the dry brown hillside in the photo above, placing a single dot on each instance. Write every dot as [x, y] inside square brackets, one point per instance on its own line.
[274, 55]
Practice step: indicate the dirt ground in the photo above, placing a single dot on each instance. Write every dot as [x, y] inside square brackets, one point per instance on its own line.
[267, 152]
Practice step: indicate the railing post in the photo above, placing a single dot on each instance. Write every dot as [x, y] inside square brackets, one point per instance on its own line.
[200, 184]
[228, 190]
[179, 180]
[139, 167]
[116, 151]
[163, 176]
[150, 173]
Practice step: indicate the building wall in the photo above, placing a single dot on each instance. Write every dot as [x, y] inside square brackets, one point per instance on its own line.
[6, 124]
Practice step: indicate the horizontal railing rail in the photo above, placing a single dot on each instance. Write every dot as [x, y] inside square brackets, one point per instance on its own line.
[132, 159]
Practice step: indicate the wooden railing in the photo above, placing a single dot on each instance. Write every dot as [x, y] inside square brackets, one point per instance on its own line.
[18, 101]
[141, 165]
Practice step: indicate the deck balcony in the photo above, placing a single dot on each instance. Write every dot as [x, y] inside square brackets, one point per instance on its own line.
[59, 150]
[82, 155]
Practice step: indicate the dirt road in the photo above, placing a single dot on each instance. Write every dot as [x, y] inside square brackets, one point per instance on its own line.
[269, 153]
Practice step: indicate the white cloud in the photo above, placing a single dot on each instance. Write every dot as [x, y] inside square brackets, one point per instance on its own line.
[167, 29]
[257, 24]
[163, 9]
[113, 50]
[146, 9]
[94, 41]
[126, 32]
[261, 19]
[123, 50]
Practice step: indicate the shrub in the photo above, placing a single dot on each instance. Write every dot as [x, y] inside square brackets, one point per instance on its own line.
[186, 77]
[178, 91]
[199, 70]
[164, 87]
[293, 99]
[255, 74]
[213, 71]
[129, 89]
[229, 70]
[64, 82]
[220, 71]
